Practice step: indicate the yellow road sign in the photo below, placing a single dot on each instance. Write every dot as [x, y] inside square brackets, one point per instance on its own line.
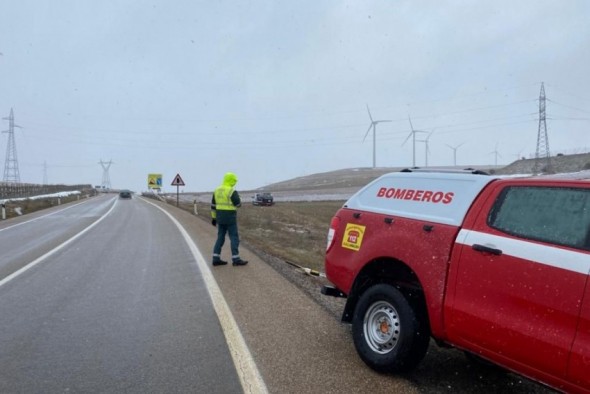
[154, 181]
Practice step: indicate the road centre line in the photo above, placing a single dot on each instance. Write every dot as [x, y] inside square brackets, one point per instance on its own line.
[44, 216]
[246, 368]
[57, 248]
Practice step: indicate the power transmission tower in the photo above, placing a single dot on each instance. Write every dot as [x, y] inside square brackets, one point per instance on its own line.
[542, 156]
[11, 173]
[106, 179]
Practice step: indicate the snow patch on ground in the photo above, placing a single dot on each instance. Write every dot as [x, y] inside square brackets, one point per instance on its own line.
[40, 197]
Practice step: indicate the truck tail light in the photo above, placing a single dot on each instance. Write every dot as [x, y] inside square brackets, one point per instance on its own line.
[334, 224]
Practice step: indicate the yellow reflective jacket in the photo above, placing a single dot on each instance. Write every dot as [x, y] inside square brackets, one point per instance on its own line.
[225, 200]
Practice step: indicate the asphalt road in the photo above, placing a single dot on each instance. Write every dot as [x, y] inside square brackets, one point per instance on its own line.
[123, 308]
[126, 307]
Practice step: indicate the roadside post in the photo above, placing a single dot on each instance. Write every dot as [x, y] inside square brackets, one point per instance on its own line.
[195, 207]
[177, 182]
[3, 211]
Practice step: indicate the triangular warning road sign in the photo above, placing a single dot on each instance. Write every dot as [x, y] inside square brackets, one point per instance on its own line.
[177, 181]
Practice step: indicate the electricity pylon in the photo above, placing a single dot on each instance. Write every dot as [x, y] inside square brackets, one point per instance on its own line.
[11, 173]
[106, 179]
[542, 156]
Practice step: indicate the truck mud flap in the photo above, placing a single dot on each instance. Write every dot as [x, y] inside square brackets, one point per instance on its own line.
[332, 292]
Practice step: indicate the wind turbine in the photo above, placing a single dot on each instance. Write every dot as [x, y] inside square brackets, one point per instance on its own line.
[454, 148]
[496, 154]
[426, 148]
[413, 135]
[373, 125]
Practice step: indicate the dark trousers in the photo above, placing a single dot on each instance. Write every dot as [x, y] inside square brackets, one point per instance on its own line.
[234, 239]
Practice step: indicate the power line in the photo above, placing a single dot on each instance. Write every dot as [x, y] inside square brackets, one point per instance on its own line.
[583, 119]
[475, 109]
[483, 121]
[484, 127]
[569, 106]
[568, 93]
[130, 141]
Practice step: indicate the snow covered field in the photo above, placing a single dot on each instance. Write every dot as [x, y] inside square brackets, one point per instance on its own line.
[336, 194]
[53, 195]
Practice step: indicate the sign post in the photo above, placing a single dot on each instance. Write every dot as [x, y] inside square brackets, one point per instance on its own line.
[177, 182]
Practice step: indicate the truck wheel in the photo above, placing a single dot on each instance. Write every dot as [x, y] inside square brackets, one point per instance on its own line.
[387, 333]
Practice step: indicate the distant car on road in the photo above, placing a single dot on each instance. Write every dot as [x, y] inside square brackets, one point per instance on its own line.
[125, 194]
[263, 199]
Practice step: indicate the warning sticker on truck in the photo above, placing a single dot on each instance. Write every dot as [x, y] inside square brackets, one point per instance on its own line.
[353, 236]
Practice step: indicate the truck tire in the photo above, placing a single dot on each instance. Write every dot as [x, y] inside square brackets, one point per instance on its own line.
[387, 333]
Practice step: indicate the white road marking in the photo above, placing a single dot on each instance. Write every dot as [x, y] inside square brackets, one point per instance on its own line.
[246, 368]
[52, 251]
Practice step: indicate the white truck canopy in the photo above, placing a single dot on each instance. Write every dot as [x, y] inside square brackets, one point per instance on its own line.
[429, 196]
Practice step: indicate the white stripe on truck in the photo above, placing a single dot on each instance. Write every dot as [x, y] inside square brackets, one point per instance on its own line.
[548, 255]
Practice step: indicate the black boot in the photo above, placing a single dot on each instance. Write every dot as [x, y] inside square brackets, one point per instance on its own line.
[239, 262]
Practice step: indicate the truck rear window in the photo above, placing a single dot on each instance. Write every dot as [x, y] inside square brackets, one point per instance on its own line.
[550, 214]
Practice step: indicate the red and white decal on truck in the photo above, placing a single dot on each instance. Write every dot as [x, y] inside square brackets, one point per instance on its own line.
[445, 199]
[416, 195]
[353, 236]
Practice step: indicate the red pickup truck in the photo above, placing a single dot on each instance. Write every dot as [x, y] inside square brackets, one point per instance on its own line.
[497, 267]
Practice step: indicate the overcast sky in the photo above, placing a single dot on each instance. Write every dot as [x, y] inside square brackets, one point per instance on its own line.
[273, 90]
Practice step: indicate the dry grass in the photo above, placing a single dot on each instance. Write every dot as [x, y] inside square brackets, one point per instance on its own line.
[293, 231]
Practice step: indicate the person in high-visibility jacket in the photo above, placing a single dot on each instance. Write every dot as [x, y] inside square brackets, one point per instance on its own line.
[224, 206]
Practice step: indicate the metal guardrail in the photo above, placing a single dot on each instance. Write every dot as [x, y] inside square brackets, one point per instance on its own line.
[12, 190]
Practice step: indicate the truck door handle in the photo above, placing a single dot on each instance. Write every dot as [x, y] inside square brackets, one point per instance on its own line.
[486, 249]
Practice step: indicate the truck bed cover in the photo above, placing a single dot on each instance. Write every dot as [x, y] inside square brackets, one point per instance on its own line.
[434, 197]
